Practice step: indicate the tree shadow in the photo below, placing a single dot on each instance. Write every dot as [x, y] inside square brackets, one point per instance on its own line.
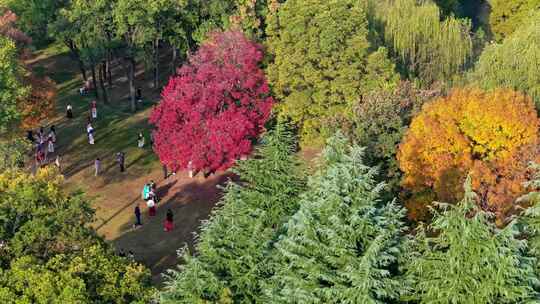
[191, 203]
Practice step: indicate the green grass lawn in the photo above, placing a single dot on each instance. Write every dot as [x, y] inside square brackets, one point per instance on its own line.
[116, 128]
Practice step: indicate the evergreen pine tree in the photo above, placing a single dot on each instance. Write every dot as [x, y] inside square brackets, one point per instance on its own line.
[235, 244]
[465, 259]
[343, 244]
[530, 219]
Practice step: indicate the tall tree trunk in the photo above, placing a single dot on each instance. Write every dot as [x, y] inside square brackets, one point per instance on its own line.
[108, 73]
[156, 63]
[131, 78]
[102, 75]
[173, 63]
[82, 69]
[75, 54]
[109, 58]
[94, 82]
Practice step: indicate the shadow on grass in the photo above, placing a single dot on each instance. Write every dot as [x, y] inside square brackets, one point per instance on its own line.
[191, 204]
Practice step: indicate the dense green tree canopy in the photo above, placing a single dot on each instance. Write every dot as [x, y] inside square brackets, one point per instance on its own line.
[13, 153]
[507, 16]
[344, 241]
[380, 121]
[466, 259]
[12, 88]
[235, 245]
[34, 16]
[449, 6]
[320, 62]
[515, 63]
[48, 254]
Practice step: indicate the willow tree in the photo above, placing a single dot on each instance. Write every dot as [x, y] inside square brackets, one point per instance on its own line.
[513, 64]
[425, 47]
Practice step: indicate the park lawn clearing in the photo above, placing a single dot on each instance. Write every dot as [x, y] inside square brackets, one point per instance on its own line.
[115, 194]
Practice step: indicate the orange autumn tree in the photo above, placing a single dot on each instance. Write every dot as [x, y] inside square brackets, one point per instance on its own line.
[39, 104]
[490, 135]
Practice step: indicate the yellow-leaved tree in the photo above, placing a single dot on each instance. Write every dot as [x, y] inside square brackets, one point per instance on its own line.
[491, 135]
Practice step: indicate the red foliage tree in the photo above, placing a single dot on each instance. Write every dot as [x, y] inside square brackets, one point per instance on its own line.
[8, 21]
[212, 111]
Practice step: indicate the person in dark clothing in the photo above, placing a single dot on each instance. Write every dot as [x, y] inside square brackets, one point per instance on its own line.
[41, 135]
[137, 216]
[168, 226]
[69, 111]
[30, 136]
[121, 158]
[139, 94]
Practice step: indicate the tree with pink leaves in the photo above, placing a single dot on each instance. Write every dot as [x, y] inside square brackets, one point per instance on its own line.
[215, 108]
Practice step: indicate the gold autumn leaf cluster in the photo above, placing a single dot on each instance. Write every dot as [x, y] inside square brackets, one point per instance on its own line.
[491, 135]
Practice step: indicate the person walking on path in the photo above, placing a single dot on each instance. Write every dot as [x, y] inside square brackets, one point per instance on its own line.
[137, 212]
[93, 109]
[41, 136]
[168, 225]
[151, 204]
[57, 162]
[90, 133]
[91, 138]
[145, 191]
[139, 95]
[140, 140]
[50, 145]
[40, 155]
[69, 111]
[45, 149]
[120, 159]
[153, 191]
[52, 134]
[97, 166]
[89, 128]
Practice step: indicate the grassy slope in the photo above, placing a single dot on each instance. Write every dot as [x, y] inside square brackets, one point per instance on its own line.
[115, 195]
